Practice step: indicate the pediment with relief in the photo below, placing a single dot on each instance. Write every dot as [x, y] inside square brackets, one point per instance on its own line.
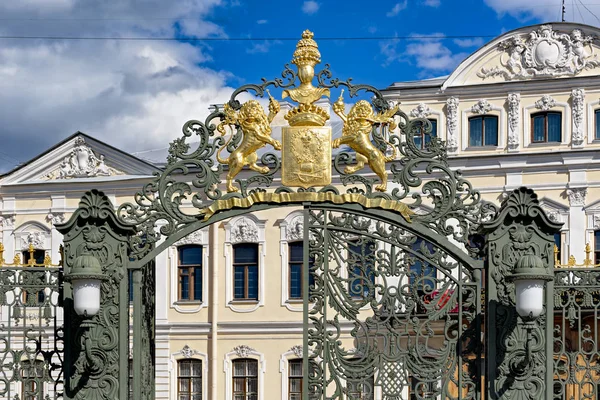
[560, 50]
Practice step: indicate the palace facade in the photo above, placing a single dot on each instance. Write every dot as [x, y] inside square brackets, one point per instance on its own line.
[523, 110]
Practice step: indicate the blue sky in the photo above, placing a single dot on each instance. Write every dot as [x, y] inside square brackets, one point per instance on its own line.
[136, 95]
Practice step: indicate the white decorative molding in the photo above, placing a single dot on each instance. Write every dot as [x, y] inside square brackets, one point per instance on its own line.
[284, 363]
[553, 216]
[545, 103]
[55, 218]
[186, 353]
[298, 350]
[32, 233]
[592, 106]
[422, 110]
[36, 239]
[481, 107]
[596, 223]
[82, 163]
[514, 105]
[243, 351]
[578, 107]
[8, 221]
[291, 230]
[452, 124]
[200, 238]
[228, 370]
[244, 229]
[295, 229]
[544, 53]
[577, 196]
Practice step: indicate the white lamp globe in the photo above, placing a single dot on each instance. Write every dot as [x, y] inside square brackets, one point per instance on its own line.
[86, 278]
[530, 276]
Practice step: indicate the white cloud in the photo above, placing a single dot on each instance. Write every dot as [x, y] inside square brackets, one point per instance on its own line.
[133, 95]
[397, 8]
[262, 47]
[261, 21]
[310, 7]
[474, 42]
[541, 9]
[428, 54]
[432, 3]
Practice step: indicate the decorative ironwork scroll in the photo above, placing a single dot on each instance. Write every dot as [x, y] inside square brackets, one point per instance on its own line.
[521, 228]
[377, 149]
[395, 309]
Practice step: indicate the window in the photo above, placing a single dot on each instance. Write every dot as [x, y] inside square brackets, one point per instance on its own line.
[189, 379]
[596, 247]
[361, 263]
[546, 127]
[130, 383]
[597, 124]
[190, 273]
[245, 271]
[483, 131]
[295, 374]
[422, 138]
[245, 379]
[32, 377]
[296, 266]
[558, 244]
[362, 388]
[422, 274]
[37, 278]
[130, 277]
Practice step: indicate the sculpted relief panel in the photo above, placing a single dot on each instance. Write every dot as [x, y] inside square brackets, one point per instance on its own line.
[544, 53]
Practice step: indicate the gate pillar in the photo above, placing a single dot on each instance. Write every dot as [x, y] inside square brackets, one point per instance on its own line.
[97, 348]
[519, 353]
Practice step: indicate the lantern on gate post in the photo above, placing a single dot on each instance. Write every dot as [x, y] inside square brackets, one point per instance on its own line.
[86, 277]
[530, 277]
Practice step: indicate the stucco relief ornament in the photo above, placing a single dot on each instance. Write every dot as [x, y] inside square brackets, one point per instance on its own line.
[243, 351]
[81, 163]
[36, 239]
[577, 196]
[596, 222]
[244, 231]
[193, 238]
[55, 218]
[298, 350]
[553, 216]
[8, 222]
[545, 103]
[514, 103]
[452, 123]
[543, 53]
[578, 99]
[422, 110]
[187, 352]
[295, 230]
[481, 107]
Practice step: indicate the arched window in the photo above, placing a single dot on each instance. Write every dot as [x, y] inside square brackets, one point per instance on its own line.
[546, 127]
[483, 131]
[245, 379]
[189, 379]
[295, 375]
[190, 273]
[422, 138]
[245, 271]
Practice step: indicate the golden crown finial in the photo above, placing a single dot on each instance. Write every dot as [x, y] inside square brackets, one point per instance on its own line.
[307, 51]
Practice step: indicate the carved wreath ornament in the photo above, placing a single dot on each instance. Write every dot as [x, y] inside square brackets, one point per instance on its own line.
[544, 53]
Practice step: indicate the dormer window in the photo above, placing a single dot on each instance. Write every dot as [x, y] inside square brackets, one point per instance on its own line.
[546, 127]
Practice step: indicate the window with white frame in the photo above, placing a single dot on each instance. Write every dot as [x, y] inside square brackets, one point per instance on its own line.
[546, 127]
[245, 379]
[245, 271]
[189, 272]
[189, 379]
[483, 131]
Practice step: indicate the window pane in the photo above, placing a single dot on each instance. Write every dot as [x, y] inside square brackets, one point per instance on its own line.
[252, 367]
[475, 132]
[554, 131]
[491, 131]
[197, 283]
[197, 385]
[252, 385]
[539, 125]
[130, 277]
[184, 280]
[295, 368]
[296, 251]
[184, 385]
[196, 368]
[253, 282]
[295, 281]
[239, 283]
[597, 116]
[245, 253]
[239, 384]
[433, 129]
[190, 255]
[184, 368]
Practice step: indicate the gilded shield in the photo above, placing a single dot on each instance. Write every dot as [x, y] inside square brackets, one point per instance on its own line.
[306, 156]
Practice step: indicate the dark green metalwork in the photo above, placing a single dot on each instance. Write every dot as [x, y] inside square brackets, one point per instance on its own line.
[31, 333]
[576, 351]
[520, 229]
[396, 308]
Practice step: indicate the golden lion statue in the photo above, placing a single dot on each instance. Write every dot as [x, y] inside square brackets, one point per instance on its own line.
[256, 131]
[356, 133]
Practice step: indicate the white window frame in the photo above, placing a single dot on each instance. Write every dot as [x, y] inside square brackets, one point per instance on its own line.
[199, 238]
[295, 353]
[186, 353]
[495, 111]
[561, 212]
[238, 352]
[289, 234]
[559, 106]
[254, 233]
[591, 119]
